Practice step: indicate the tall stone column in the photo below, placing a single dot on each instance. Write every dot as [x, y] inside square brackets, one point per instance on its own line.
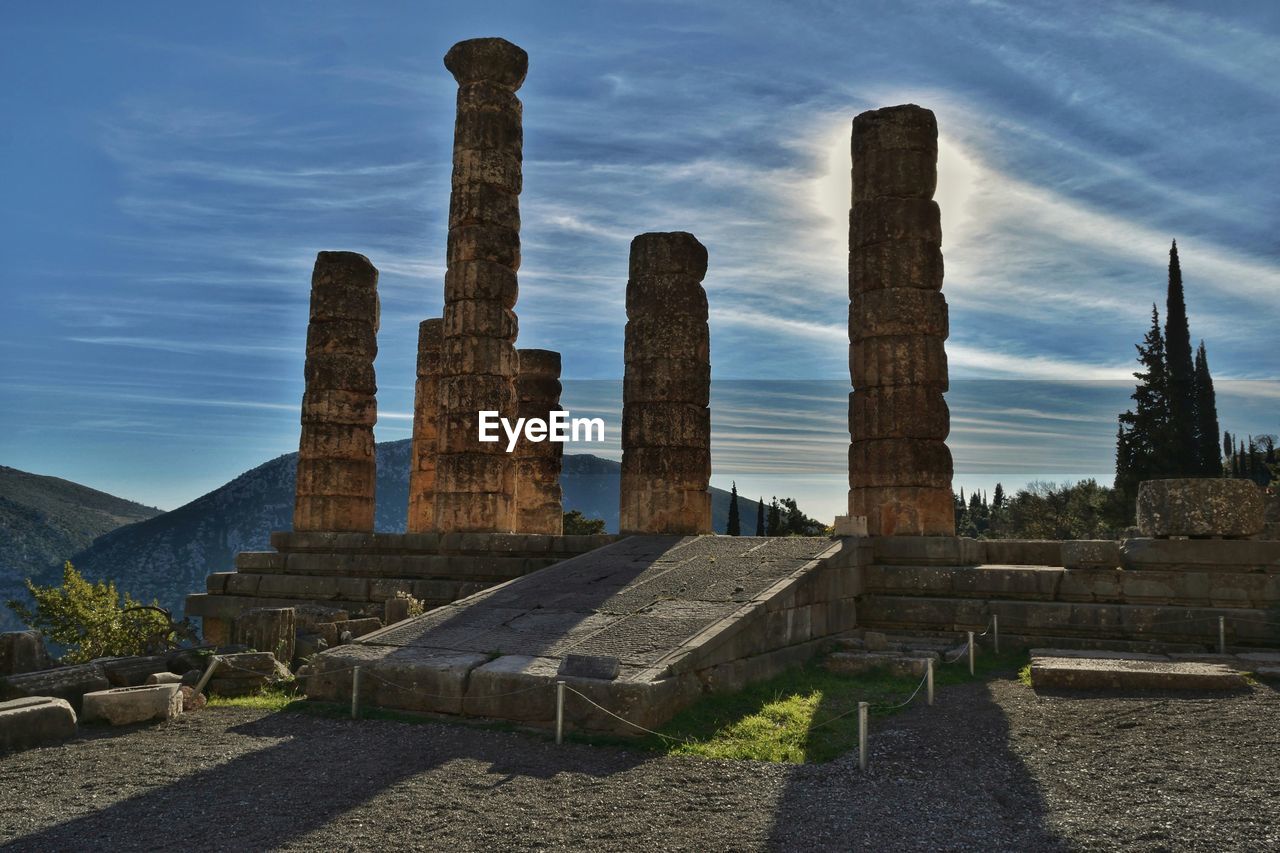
[899, 465]
[336, 467]
[539, 505]
[426, 429]
[666, 393]
[475, 481]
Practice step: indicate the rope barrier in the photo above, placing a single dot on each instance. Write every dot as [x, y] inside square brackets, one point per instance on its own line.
[622, 719]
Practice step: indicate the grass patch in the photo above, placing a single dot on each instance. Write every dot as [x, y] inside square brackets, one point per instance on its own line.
[269, 699]
[806, 714]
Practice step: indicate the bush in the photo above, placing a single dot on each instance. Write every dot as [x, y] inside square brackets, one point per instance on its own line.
[91, 621]
[577, 524]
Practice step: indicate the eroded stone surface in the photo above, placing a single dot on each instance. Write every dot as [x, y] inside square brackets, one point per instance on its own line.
[1096, 673]
[666, 421]
[35, 721]
[426, 429]
[336, 466]
[1200, 507]
[899, 465]
[475, 481]
[125, 705]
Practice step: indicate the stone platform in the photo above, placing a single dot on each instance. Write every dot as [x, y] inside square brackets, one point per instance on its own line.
[357, 572]
[1131, 673]
[673, 617]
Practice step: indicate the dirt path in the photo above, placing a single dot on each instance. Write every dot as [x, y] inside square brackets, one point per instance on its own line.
[991, 767]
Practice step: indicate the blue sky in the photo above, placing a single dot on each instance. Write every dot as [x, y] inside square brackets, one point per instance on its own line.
[170, 171]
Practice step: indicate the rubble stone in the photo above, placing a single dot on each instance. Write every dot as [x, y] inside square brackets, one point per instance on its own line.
[35, 721]
[23, 651]
[121, 706]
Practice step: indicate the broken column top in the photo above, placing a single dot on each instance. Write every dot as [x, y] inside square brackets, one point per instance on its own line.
[895, 153]
[539, 362]
[668, 252]
[487, 60]
[355, 267]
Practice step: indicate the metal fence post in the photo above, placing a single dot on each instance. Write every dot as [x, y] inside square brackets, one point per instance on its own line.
[355, 692]
[208, 673]
[1222, 635]
[971, 653]
[862, 736]
[559, 712]
[928, 680]
[995, 631]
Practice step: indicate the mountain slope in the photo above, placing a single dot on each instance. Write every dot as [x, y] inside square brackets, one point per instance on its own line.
[169, 556]
[45, 520]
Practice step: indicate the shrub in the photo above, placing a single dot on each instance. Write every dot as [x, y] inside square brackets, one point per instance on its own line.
[91, 621]
[577, 524]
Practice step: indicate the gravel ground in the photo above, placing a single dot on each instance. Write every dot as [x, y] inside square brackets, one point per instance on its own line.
[991, 767]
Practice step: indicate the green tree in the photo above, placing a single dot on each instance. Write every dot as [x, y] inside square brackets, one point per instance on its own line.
[1209, 458]
[735, 523]
[775, 519]
[761, 530]
[577, 524]
[1143, 439]
[997, 497]
[793, 522]
[1084, 510]
[91, 620]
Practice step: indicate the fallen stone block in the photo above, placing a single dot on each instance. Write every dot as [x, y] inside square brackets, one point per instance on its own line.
[1267, 673]
[1097, 654]
[63, 682]
[246, 673]
[1116, 674]
[589, 666]
[163, 678]
[35, 721]
[124, 705]
[191, 700]
[23, 651]
[133, 671]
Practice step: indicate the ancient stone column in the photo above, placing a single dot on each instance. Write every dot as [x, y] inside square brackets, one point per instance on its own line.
[426, 429]
[539, 508]
[666, 393]
[336, 468]
[899, 465]
[475, 481]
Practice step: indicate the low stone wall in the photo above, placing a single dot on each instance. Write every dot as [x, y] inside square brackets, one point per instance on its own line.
[358, 572]
[1132, 590]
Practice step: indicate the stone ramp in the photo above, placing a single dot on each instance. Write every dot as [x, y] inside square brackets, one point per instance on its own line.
[677, 616]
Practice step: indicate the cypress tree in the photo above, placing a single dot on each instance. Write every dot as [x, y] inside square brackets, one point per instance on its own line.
[1184, 456]
[1206, 418]
[760, 529]
[1227, 446]
[997, 497]
[735, 523]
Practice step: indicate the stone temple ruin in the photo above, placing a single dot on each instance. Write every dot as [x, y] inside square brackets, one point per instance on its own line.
[645, 622]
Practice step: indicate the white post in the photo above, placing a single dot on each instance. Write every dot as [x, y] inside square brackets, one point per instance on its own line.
[1222, 635]
[995, 631]
[862, 736]
[208, 673]
[559, 712]
[928, 680]
[971, 653]
[355, 692]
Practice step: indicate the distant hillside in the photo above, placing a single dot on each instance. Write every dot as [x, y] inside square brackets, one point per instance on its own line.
[45, 520]
[169, 556]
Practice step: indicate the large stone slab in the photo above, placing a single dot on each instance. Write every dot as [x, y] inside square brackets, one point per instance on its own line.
[124, 705]
[35, 721]
[1094, 673]
[1214, 555]
[63, 682]
[1200, 507]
